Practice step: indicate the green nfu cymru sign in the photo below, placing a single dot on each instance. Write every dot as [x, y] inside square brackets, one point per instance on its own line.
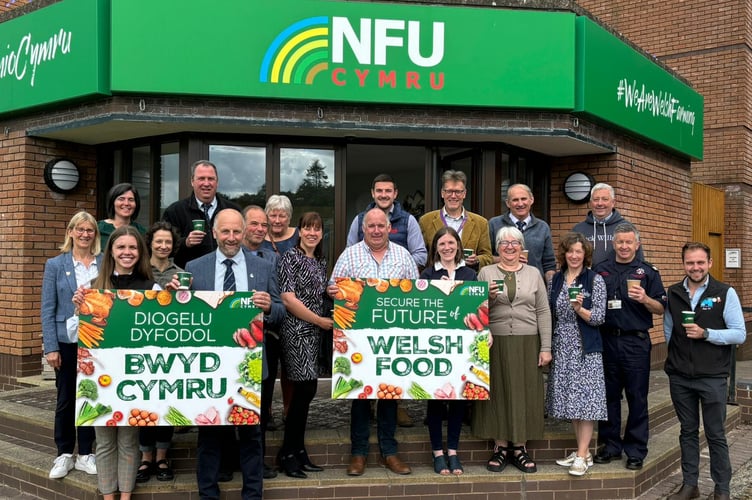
[410, 339]
[150, 357]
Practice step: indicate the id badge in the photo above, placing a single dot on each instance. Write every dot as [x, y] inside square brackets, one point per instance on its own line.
[614, 304]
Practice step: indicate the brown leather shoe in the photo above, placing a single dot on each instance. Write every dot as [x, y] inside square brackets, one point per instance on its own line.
[357, 465]
[686, 492]
[394, 464]
[720, 496]
[403, 418]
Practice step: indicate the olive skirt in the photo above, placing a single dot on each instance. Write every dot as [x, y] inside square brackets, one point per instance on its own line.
[515, 411]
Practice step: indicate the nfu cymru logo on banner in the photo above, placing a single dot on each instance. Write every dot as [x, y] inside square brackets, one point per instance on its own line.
[369, 53]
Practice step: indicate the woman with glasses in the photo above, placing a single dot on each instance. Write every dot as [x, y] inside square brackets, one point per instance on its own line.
[123, 205]
[76, 266]
[520, 325]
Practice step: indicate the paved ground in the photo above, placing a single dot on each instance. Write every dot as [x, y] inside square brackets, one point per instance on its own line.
[327, 413]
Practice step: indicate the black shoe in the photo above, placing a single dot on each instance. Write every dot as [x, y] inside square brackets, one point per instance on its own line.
[305, 462]
[164, 473]
[144, 474]
[604, 457]
[291, 467]
[224, 476]
[634, 463]
[269, 473]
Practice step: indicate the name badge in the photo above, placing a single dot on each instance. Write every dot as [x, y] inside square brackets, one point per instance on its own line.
[614, 304]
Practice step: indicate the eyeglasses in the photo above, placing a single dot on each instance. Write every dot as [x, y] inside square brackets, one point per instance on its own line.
[80, 230]
[513, 243]
[453, 192]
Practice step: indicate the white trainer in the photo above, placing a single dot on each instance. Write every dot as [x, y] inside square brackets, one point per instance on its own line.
[87, 463]
[569, 460]
[579, 467]
[63, 465]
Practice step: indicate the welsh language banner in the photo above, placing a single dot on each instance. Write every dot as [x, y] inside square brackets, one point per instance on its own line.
[410, 339]
[152, 357]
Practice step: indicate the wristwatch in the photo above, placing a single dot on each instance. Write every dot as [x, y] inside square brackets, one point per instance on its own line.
[705, 333]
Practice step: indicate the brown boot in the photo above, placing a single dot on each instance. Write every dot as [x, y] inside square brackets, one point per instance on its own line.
[357, 465]
[685, 493]
[403, 419]
[394, 464]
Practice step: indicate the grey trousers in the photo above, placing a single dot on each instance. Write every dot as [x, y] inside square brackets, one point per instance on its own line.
[689, 395]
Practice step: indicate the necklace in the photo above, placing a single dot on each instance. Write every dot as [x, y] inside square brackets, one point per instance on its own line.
[504, 269]
[571, 277]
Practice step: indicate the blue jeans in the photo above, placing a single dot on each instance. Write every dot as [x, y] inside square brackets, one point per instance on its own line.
[360, 426]
[688, 396]
[626, 367]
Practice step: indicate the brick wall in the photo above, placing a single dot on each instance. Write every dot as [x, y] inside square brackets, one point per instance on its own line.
[707, 43]
[32, 224]
[652, 192]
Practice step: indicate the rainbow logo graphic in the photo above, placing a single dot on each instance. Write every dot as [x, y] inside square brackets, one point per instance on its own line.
[298, 53]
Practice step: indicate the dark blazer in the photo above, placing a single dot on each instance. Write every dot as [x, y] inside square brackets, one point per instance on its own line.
[58, 287]
[262, 275]
[181, 215]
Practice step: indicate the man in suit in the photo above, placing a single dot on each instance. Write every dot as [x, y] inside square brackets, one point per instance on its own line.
[203, 204]
[256, 227]
[472, 228]
[536, 232]
[231, 267]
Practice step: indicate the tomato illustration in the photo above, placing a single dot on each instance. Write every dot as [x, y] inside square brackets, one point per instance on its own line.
[117, 416]
[111, 423]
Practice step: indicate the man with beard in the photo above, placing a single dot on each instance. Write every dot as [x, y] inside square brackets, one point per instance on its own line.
[698, 365]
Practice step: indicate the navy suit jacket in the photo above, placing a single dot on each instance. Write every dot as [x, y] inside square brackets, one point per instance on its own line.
[262, 275]
[58, 287]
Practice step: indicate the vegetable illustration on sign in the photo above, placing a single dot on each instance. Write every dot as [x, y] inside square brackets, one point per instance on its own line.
[410, 339]
[169, 358]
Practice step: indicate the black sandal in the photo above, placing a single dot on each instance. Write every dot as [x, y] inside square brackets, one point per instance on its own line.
[455, 465]
[144, 474]
[522, 460]
[164, 473]
[440, 465]
[498, 460]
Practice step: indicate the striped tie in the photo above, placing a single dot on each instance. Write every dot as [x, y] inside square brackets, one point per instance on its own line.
[229, 283]
[521, 225]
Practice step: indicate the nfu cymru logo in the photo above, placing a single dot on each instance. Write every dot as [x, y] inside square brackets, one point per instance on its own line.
[316, 46]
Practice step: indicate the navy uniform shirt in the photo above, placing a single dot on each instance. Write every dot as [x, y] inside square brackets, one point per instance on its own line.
[632, 315]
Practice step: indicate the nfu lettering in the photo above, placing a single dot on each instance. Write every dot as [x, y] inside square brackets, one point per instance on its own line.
[375, 41]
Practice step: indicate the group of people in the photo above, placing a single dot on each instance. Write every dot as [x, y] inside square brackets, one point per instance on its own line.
[588, 321]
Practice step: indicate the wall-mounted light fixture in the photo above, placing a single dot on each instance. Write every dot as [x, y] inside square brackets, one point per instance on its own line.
[577, 187]
[61, 175]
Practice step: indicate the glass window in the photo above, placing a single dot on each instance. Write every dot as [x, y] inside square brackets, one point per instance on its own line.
[169, 160]
[141, 180]
[242, 173]
[307, 178]
[406, 165]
